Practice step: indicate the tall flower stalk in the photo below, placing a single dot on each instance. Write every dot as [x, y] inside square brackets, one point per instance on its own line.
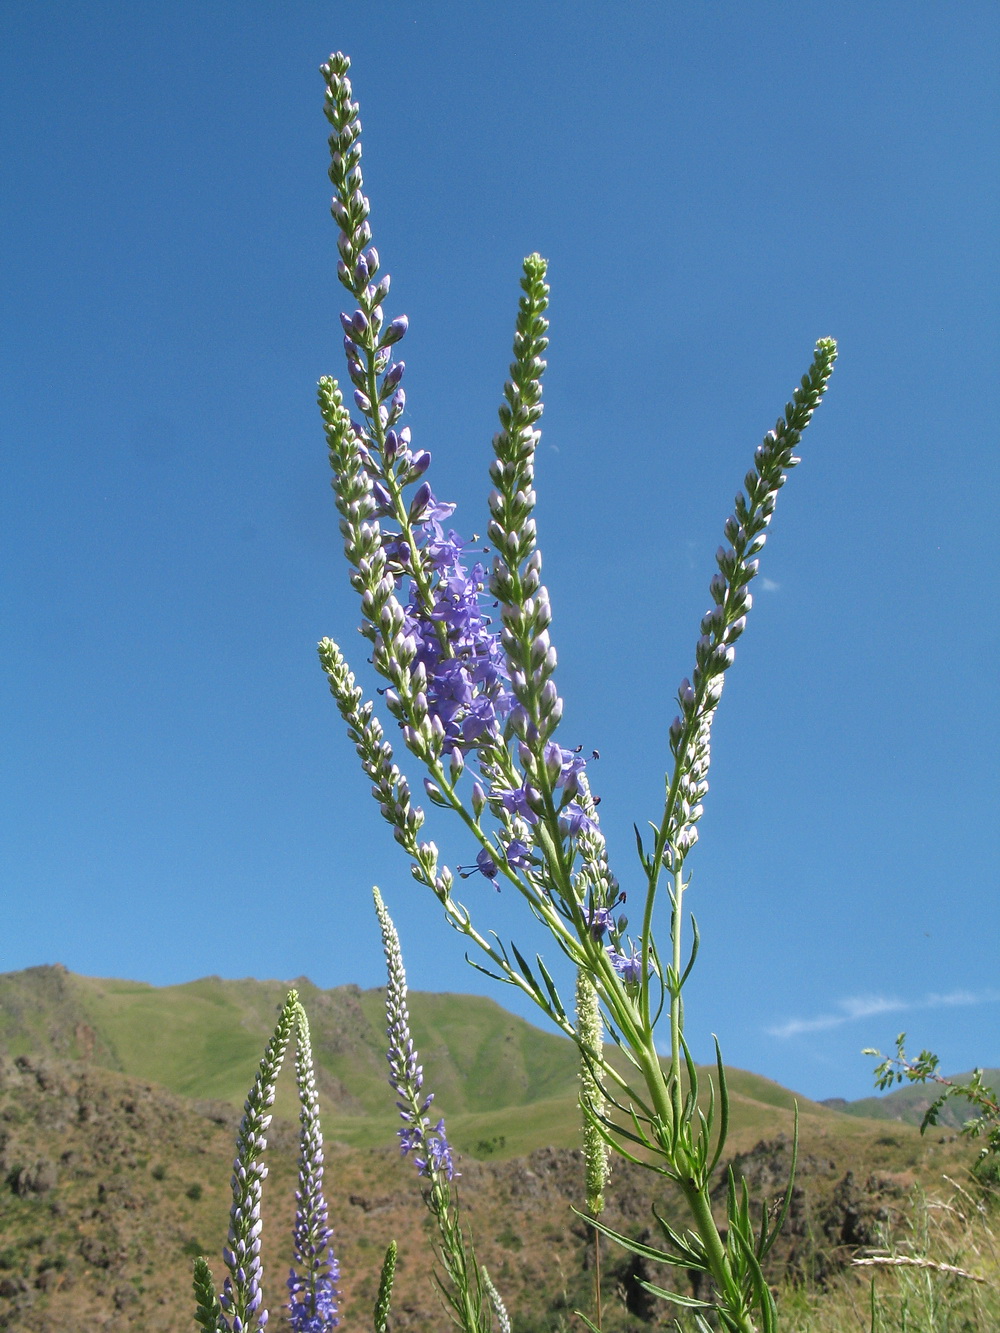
[312, 1283]
[312, 1307]
[241, 1307]
[470, 683]
[466, 1288]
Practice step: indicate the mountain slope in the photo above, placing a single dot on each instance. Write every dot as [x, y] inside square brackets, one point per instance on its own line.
[506, 1087]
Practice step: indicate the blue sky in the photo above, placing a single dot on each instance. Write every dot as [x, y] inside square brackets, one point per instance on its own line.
[715, 187]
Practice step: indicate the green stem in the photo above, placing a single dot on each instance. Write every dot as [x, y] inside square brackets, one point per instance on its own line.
[597, 1277]
[696, 1195]
[676, 925]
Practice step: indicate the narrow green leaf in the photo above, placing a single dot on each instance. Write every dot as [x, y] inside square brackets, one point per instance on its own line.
[690, 1301]
[550, 986]
[765, 1241]
[685, 1260]
[695, 945]
[723, 1108]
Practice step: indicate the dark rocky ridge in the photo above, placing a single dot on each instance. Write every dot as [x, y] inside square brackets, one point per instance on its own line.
[110, 1185]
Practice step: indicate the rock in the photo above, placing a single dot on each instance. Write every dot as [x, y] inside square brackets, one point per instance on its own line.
[38, 1178]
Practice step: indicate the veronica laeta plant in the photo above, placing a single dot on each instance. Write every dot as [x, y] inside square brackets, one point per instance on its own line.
[469, 669]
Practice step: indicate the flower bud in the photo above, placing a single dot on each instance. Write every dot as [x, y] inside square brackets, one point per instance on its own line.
[393, 375]
[394, 332]
[548, 695]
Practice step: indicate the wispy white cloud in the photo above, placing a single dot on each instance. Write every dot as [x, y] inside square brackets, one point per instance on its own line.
[769, 585]
[865, 1006]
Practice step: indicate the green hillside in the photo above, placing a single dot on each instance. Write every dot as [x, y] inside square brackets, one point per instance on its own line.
[203, 1040]
[507, 1087]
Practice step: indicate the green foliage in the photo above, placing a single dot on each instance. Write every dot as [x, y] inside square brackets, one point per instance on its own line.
[893, 1069]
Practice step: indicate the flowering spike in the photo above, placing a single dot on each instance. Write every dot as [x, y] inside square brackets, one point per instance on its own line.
[242, 1298]
[499, 1309]
[313, 1292]
[405, 1074]
[384, 1299]
[723, 624]
[592, 1101]
[208, 1312]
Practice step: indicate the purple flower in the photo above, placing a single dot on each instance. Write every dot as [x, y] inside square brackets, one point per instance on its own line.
[517, 802]
[599, 920]
[317, 1312]
[518, 854]
[439, 1158]
[628, 966]
[409, 1139]
[486, 864]
[573, 819]
[564, 767]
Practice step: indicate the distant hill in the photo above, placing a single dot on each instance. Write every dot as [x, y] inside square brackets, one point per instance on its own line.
[507, 1087]
[203, 1040]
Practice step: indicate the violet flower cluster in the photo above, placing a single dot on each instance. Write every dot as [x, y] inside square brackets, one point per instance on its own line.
[458, 685]
[312, 1288]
